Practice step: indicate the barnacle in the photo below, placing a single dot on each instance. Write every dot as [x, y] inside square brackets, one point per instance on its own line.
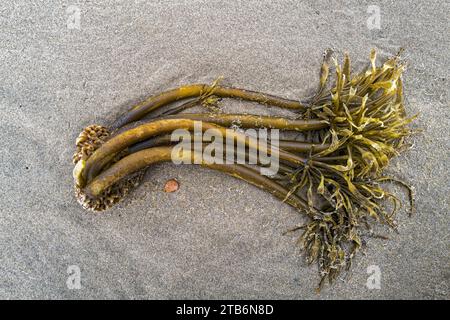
[89, 140]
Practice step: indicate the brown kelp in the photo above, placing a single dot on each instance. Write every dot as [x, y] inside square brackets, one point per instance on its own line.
[333, 173]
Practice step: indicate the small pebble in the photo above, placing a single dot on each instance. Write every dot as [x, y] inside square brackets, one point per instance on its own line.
[171, 185]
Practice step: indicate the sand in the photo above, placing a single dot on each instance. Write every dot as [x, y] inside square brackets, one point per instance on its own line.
[215, 237]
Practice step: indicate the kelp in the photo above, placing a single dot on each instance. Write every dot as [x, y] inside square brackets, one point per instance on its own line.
[207, 94]
[333, 173]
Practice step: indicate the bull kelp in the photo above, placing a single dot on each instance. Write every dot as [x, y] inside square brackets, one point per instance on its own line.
[332, 173]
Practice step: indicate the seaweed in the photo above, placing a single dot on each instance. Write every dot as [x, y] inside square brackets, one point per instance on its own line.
[334, 174]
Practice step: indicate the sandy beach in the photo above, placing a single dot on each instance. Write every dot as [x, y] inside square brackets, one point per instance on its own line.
[68, 64]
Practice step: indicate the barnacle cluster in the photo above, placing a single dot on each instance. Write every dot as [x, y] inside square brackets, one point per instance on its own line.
[111, 195]
[89, 140]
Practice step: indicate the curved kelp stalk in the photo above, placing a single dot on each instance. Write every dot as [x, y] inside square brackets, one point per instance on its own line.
[294, 146]
[137, 161]
[242, 121]
[88, 169]
[203, 91]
